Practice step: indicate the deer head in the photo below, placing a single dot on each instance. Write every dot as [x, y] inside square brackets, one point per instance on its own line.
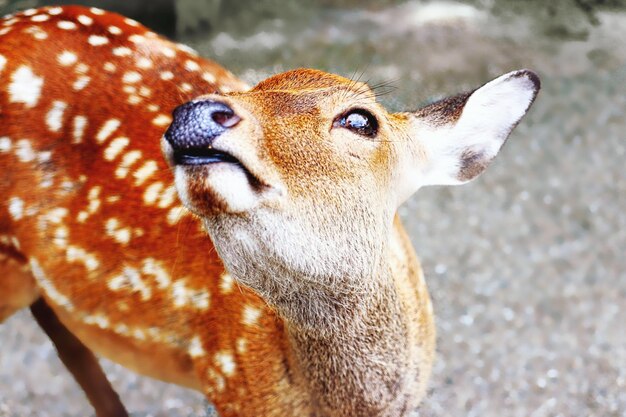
[298, 180]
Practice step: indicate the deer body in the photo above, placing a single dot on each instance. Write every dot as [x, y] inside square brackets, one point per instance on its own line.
[322, 315]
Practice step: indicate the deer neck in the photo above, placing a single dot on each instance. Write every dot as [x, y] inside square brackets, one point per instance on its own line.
[361, 363]
[360, 341]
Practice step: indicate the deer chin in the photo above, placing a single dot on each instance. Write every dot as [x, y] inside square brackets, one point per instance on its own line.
[217, 188]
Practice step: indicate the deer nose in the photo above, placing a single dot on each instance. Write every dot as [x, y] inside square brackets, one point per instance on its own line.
[196, 124]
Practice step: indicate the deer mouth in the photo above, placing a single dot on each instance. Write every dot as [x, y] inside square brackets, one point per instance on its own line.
[205, 157]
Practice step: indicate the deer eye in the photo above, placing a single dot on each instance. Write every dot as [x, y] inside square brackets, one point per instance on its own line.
[359, 121]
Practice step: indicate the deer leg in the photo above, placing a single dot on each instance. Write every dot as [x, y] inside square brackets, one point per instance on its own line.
[17, 285]
[81, 362]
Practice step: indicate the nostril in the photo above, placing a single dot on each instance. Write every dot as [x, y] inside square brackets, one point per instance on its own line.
[197, 123]
[226, 119]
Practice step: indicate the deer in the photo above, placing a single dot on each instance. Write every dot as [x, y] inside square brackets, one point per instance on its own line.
[242, 242]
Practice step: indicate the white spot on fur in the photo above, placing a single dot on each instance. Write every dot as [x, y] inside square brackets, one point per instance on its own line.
[134, 100]
[5, 144]
[37, 32]
[55, 11]
[60, 236]
[115, 230]
[16, 208]
[77, 254]
[122, 51]
[122, 328]
[153, 108]
[167, 75]
[175, 214]
[208, 77]
[93, 196]
[139, 334]
[24, 151]
[40, 18]
[226, 283]
[242, 345]
[127, 162]
[114, 30]
[226, 362]
[186, 87]
[131, 22]
[250, 315]
[81, 82]
[155, 268]
[97, 320]
[94, 193]
[48, 287]
[145, 91]
[195, 348]
[43, 157]
[191, 65]
[29, 12]
[4, 31]
[168, 197]
[148, 169]
[107, 130]
[85, 20]
[80, 123]
[168, 52]
[144, 63]
[162, 120]
[185, 296]
[96, 40]
[96, 11]
[55, 215]
[67, 58]
[3, 62]
[152, 193]
[136, 39]
[54, 118]
[109, 67]
[66, 25]
[115, 147]
[25, 87]
[131, 77]
[217, 380]
[130, 279]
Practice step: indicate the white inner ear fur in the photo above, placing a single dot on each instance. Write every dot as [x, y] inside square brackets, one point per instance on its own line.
[458, 152]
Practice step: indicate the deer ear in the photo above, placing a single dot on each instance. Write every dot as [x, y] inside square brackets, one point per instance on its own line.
[460, 135]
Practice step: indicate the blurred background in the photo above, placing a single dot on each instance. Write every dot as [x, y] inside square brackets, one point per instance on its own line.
[526, 265]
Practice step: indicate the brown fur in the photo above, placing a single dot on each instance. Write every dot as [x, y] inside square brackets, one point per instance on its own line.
[329, 314]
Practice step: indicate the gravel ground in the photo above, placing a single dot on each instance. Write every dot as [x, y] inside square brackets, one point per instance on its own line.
[526, 265]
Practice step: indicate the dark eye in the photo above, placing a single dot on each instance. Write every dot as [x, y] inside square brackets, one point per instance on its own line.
[359, 121]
